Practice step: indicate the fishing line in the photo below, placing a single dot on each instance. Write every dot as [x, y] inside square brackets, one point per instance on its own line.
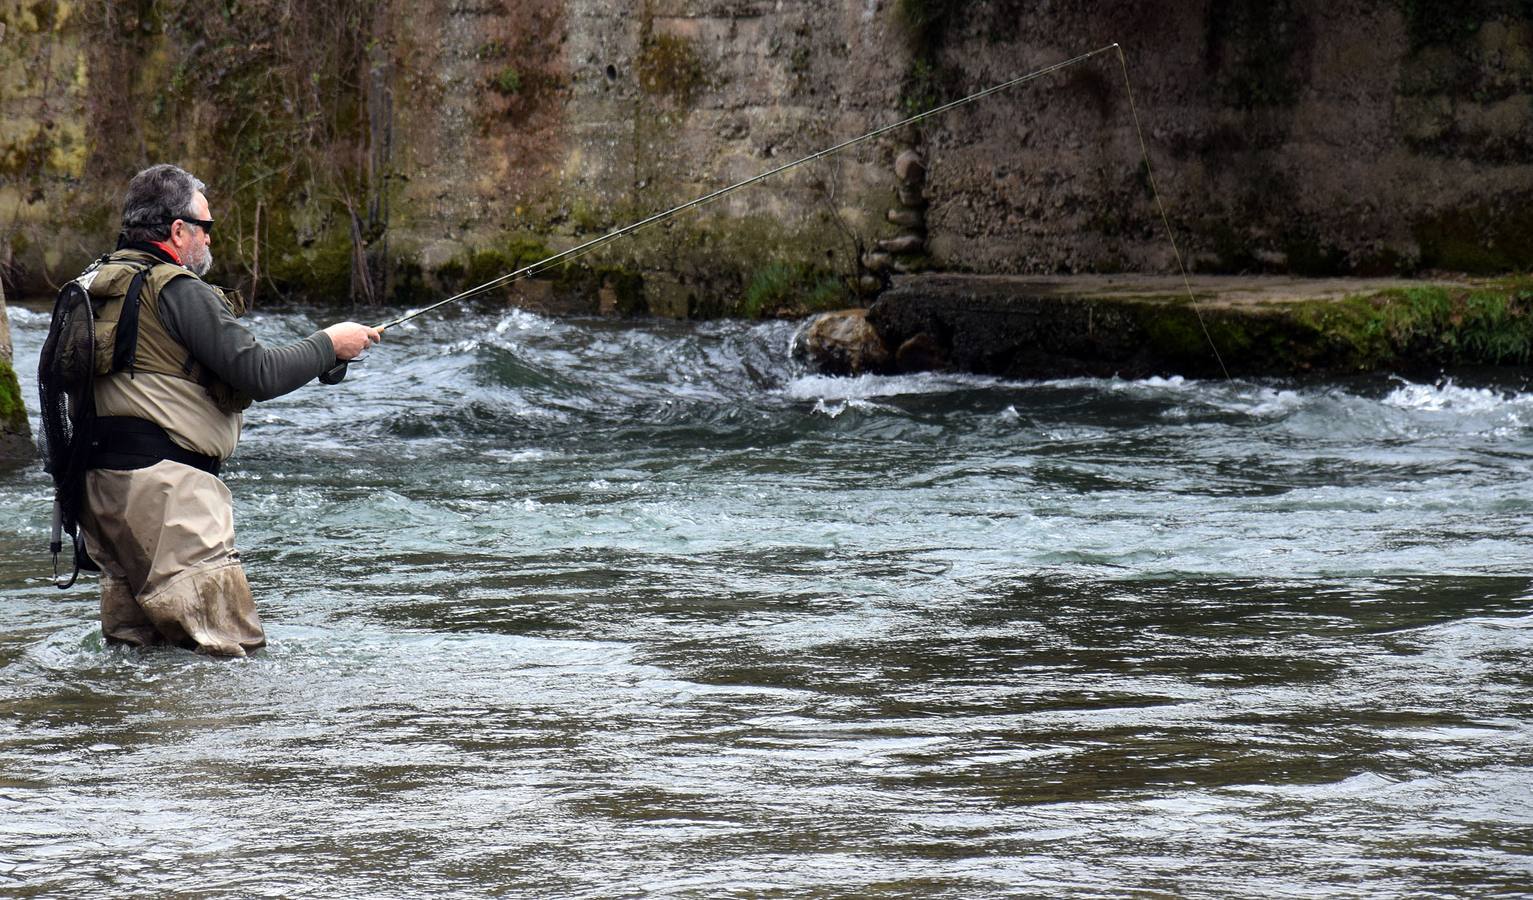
[1144, 151]
[335, 374]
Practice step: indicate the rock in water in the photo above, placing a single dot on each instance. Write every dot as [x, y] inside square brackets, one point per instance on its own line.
[842, 343]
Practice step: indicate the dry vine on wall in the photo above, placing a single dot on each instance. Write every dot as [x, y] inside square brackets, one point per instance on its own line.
[283, 107]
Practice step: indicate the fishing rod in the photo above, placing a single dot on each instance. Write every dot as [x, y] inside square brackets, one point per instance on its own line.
[338, 372]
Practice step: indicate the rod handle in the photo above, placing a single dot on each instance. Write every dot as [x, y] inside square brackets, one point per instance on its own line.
[335, 374]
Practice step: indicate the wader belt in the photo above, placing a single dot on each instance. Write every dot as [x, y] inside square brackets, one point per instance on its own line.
[125, 442]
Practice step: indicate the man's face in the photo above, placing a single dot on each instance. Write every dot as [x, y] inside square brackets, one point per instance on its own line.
[193, 242]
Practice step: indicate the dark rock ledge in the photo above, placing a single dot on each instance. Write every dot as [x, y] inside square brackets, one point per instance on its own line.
[1132, 326]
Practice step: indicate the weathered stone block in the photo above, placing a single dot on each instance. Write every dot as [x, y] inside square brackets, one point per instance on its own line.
[910, 169]
[905, 243]
[842, 343]
[877, 261]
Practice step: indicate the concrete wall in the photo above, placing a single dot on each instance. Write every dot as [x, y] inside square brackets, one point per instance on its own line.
[1286, 136]
[375, 148]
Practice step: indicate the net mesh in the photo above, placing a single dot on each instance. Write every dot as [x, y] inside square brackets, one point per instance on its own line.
[65, 382]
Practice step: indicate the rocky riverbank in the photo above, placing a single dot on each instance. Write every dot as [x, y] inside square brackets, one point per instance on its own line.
[1134, 326]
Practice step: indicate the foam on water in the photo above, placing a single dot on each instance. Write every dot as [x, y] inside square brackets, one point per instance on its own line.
[863, 387]
[1449, 397]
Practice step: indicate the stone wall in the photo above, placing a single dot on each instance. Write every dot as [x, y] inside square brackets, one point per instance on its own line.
[1300, 136]
[375, 149]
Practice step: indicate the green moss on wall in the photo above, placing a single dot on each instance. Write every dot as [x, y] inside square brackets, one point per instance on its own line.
[320, 272]
[507, 81]
[581, 286]
[1490, 324]
[1479, 241]
[25, 157]
[512, 253]
[670, 65]
[747, 266]
[13, 413]
[1309, 256]
[408, 284]
[1175, 333]
[1432, 326]
[924, 87]
[924, 24]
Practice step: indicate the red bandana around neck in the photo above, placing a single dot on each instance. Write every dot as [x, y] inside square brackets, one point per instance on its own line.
[169, 250]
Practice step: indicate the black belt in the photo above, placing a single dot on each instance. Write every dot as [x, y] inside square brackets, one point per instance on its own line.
[124, 442]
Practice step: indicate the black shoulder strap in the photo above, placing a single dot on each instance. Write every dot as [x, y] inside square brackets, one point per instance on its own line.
[125, 346]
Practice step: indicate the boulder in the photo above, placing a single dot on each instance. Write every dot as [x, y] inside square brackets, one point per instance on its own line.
[842, 343]
[906, 218]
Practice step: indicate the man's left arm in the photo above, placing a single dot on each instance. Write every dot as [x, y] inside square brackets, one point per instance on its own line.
[196, 316]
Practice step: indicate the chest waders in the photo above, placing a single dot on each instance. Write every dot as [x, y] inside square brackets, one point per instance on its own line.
[106, 321]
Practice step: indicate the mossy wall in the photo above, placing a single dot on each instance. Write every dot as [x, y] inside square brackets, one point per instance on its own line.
[1036, 328]
[374, 150]
[15, 433]
[371, 150]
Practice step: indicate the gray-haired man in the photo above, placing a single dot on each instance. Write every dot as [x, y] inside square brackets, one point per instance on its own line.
[175, 370]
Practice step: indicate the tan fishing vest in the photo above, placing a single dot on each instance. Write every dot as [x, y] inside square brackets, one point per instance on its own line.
[155, 351]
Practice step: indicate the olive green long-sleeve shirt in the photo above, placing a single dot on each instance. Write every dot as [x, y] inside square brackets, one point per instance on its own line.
[195, 315]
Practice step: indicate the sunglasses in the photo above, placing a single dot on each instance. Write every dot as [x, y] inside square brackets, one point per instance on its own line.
[205, 224]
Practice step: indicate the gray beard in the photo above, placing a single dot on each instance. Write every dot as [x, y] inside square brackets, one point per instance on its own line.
[201, 263]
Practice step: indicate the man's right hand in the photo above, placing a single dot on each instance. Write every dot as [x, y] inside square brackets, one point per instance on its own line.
[350, 339]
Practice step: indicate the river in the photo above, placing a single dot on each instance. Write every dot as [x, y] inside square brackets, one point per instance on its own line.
[586, 608]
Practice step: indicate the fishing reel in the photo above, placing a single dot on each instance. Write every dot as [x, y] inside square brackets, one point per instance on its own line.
[335, 374]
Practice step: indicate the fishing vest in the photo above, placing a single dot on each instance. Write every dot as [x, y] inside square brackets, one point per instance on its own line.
[125, 289]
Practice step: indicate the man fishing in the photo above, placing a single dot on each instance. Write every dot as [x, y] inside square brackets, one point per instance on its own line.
[171, 370]
[168, 406]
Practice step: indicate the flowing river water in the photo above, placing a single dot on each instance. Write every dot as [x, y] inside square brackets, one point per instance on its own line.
[581, 608]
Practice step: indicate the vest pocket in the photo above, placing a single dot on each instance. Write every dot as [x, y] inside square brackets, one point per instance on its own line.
[106, 344]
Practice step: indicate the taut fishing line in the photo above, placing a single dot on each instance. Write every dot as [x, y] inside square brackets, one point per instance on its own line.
[334, 375]
[1144, 151]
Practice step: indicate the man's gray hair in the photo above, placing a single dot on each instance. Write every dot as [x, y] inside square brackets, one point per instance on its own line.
[156, 197]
